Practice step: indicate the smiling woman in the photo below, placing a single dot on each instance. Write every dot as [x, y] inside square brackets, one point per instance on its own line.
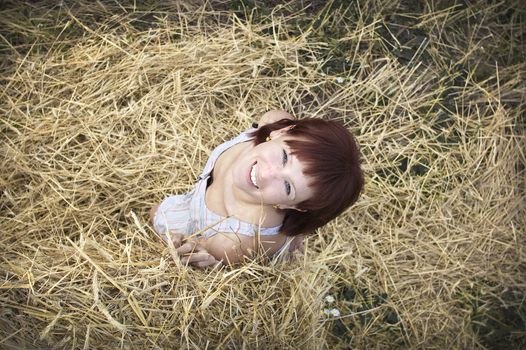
[263, 190]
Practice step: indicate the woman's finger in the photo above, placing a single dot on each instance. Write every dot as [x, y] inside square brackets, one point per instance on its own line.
[177, 239]
[199, 248]
[211, 261]
[186, 248]
[195, 258]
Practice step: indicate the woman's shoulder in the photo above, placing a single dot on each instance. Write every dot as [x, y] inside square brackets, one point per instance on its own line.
[273, 116]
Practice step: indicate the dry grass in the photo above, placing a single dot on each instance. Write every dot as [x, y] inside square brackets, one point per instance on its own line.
[107, 108]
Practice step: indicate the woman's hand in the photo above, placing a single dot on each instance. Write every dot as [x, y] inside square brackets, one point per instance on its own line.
[192, 252]
[177, 238]
[297, 244]
[274, 116]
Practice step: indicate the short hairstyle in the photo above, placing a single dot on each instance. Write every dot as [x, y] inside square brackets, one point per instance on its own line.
[331, 159]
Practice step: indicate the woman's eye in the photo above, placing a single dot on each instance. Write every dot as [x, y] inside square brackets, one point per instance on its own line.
[285, 157]
[287, 188]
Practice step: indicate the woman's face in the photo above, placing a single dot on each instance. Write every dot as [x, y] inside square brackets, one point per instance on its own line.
[270, 174]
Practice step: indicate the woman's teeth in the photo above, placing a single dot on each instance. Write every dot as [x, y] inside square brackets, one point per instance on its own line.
[253, 176]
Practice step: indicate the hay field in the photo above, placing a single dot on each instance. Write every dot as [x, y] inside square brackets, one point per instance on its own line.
[106, 107]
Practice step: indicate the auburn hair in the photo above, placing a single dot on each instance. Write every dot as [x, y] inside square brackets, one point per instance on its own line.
[331, 160]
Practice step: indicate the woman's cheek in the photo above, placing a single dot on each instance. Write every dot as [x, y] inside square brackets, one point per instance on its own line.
[278, 197]
[270, 196]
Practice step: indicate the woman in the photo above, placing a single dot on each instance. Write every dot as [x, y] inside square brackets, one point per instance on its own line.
[264, 190]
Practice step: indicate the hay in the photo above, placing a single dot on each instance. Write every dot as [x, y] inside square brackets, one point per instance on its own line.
[108, 108]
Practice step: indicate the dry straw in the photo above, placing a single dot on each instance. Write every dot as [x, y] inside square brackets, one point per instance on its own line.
[100, 125]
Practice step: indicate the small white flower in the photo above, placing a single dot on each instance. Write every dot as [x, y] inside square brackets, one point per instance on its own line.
[329, 299]
[335, 312]
[331, 312]
[339, 80]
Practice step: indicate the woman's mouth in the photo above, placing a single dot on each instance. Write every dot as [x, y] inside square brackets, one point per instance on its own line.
[253, 177]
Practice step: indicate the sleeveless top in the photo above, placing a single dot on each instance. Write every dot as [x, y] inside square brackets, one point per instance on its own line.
[188, 213]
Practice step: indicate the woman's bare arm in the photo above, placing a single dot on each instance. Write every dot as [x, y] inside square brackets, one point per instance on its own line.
[233, 248]
[228, 248]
